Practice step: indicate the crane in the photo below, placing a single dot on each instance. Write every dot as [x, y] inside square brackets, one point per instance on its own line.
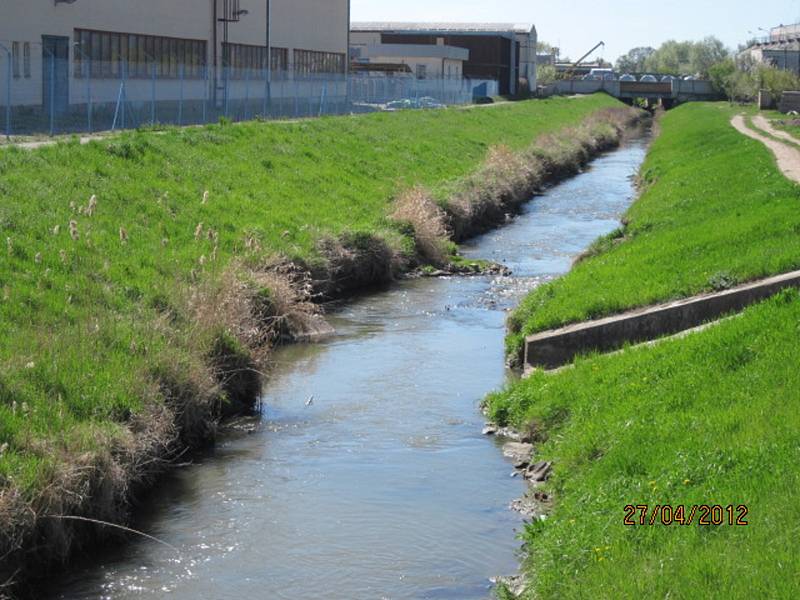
[585, 56]
[571, 71]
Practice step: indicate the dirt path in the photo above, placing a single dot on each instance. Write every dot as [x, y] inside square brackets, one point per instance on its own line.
[764, 125]
[788, 157]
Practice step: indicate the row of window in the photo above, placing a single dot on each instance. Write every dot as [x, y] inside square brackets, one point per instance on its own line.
[21, 55]
[248, 61]
[103, 54]
[309, 62]
[108, 55]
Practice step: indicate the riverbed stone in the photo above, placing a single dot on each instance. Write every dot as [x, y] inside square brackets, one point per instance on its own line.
[490, 429]
[539, 472]
[518, 452]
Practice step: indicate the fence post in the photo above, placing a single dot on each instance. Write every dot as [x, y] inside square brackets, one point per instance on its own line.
[153, 95]
[247, 94]
[296, 98]
[52, 93]
[89, 107]
[205, 95]
[8, 92]
[322, 98]
[180, 100]
[227, 78]
[266, 93]
[124, 92]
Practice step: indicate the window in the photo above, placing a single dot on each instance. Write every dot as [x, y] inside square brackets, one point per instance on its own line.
[310, 62]
[422, 71]
[15, 59]
[26, 59]
[245, 61]
[279, 59]
[102, 54]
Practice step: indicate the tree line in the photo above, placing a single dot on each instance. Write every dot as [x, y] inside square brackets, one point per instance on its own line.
[735, 74]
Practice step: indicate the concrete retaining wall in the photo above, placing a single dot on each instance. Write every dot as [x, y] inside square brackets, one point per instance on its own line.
[551, 349]
[789, 101]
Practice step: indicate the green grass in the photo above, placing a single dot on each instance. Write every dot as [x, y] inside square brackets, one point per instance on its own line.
[710, 418]
[714, 210]
[87, 322]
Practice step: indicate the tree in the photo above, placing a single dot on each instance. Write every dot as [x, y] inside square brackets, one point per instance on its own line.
[776, 81]
[634, 61]
[546, 74]
[704, 55]
[672, 57]
[720, 73]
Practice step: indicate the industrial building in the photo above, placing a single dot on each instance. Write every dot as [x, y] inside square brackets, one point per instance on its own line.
[502, 52]
[780, 49]
[424, 61]
[49, 48]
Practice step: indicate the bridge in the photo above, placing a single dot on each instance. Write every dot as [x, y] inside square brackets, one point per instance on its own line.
[668, 93]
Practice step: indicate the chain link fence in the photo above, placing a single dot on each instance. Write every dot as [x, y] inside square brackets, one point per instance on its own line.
[42, 91]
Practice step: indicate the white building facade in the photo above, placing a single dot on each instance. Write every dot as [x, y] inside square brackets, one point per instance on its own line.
[425, 61]
[58, 53]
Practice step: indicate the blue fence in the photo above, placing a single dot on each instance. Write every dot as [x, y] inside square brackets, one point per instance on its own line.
[42, 92]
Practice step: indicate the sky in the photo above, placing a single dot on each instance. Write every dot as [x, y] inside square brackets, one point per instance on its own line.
[577, 25]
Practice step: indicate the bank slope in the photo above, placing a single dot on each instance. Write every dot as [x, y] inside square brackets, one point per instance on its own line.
[714, 212]
[138, 276]
[708, 419]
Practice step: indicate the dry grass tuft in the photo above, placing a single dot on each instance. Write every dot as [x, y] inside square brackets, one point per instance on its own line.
[429, 221]
[354, 261]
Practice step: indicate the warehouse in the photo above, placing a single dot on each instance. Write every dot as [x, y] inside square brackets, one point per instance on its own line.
[503, 52]
[195, 48]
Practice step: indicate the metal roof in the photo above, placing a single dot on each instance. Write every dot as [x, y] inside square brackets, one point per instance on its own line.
[444, 27]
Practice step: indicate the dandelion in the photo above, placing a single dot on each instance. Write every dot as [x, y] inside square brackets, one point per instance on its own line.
[205, 197]
[165, 242]
[198, 231]
[123, 235]
[38, 258]
[56, 229]
[29, 366]
[73, 231]
[92, 205]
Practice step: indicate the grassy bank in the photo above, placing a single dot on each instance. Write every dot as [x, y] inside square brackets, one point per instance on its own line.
[714, 212]
[709, 419]
[142, 277]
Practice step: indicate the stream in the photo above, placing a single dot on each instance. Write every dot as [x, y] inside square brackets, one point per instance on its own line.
[383, 487]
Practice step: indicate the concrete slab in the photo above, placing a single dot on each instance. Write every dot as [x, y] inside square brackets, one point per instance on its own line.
[555, 348]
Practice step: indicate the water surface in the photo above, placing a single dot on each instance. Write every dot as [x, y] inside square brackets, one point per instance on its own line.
[383, 486]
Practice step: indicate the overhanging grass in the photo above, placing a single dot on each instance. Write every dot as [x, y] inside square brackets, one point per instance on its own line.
[86, 321]
[715, 211]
